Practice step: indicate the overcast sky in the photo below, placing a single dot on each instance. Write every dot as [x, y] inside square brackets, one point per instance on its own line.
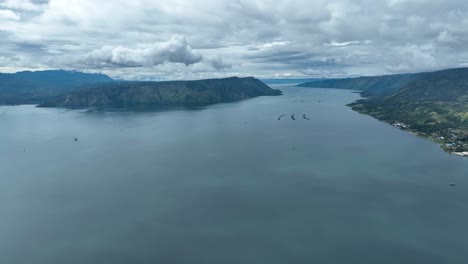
[190, 39]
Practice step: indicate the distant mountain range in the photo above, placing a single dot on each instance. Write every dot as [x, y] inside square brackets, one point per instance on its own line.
[431, 104]
[187, 93]
[34, 87]
[370, 86]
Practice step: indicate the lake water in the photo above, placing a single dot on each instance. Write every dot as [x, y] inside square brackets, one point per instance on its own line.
[227, 184]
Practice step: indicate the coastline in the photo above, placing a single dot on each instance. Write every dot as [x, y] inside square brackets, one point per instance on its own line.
[443, 142]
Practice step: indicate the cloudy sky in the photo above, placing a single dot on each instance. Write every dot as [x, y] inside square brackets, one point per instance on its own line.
[191, 39]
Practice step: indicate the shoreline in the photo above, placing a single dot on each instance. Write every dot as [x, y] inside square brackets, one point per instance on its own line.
[404, 127]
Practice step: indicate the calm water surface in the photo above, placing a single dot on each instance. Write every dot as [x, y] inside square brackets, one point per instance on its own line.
[227, 184]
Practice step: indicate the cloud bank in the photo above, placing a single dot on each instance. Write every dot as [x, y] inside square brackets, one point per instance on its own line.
[214, 38]
[176, 50]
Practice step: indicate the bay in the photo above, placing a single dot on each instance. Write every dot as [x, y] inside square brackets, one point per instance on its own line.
[229, 183]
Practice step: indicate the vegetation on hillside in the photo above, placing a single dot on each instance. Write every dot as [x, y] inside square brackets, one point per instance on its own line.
[192, 93]
[435, 107]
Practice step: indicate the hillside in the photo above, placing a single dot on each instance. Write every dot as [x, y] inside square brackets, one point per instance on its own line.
[34, 87]
[435, 106]
[199, 92]
[370, 86]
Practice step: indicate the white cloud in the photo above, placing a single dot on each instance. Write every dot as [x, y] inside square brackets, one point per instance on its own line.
[347, 43]
[273, 44]
[176, 50]
[22, 5]
[447, 37]
[8, 14]
[415, 58]
[323, 73]
[261, 37]
[284, 75]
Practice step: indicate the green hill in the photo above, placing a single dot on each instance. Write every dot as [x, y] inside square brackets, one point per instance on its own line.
[435, 106]
[192, 93]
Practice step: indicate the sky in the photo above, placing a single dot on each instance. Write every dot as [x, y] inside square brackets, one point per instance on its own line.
[190, 39]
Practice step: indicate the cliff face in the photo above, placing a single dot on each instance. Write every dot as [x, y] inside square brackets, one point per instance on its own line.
[121, 94]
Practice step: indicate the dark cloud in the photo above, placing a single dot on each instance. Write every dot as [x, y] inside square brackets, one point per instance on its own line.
[30, 47]
[219, 64]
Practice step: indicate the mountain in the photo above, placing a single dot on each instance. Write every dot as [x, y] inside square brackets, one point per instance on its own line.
[34, 87]
[190, 93]
[434, 106]
[370, 86]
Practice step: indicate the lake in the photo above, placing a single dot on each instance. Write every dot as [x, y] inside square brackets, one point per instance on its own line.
[229, 183]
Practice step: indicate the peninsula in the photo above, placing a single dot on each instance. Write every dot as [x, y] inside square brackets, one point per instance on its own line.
[170, 93]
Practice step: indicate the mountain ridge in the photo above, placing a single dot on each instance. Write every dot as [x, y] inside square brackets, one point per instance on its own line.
[369, 85]
[167, 93]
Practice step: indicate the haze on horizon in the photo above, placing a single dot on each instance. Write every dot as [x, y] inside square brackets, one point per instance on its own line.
[181, 39]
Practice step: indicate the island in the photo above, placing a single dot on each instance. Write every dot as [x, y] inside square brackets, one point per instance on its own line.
[168, 93]
[433, 105]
